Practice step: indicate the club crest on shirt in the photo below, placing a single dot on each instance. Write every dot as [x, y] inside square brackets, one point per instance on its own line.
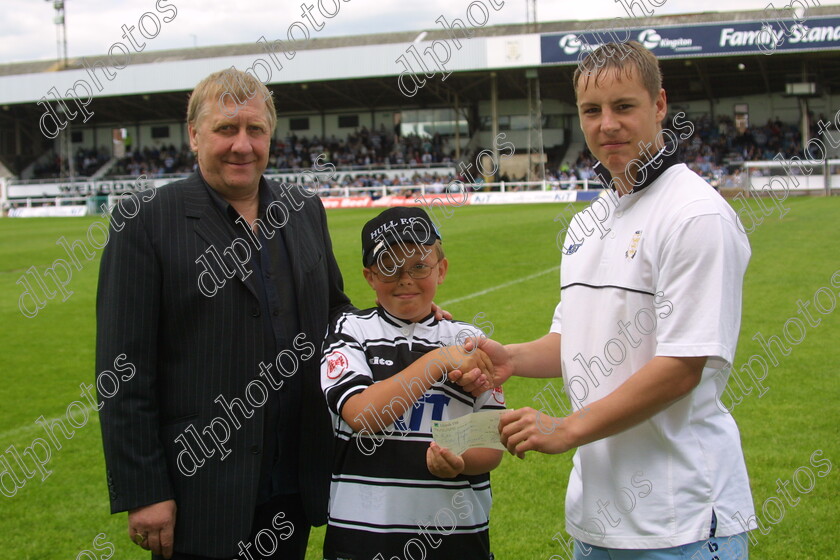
[336, 365]
[572, 249]
[499, 395]
[634, 244]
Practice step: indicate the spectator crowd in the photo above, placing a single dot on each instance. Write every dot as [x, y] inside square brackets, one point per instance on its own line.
[715, 151]
[362, 148]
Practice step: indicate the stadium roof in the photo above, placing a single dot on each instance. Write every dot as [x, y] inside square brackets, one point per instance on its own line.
[317, 43]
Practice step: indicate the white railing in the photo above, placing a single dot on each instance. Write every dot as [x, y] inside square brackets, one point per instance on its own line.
[755, 180]
[798, 176]
[36, 201]
[372, 168]
[439, 188]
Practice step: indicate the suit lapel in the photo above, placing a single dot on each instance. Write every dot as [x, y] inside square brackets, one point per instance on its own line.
[210, 227]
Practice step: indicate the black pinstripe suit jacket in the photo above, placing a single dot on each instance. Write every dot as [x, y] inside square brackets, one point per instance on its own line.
[187, 349]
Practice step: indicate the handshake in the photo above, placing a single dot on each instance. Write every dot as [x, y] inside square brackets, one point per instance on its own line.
[484, 364]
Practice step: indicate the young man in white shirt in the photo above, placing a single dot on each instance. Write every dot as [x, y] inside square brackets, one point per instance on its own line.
[651, 281]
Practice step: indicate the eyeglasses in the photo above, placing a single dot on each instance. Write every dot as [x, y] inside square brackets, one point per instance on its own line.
[416, 271]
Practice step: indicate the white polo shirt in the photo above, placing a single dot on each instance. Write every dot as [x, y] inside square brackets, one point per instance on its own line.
[661, 277]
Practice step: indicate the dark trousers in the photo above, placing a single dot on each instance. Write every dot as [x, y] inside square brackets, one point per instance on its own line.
[280, 531]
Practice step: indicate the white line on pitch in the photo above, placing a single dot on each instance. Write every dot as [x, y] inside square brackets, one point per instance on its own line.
[23, 431]
[500, 286]
[27, 428]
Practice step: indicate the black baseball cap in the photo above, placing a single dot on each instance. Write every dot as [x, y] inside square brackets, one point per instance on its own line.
[406, 224]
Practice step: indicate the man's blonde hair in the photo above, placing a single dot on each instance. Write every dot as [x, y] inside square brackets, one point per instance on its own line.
[240, 85]
[620, 58]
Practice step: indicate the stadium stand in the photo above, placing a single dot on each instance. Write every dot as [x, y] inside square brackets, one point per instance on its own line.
[344, 99]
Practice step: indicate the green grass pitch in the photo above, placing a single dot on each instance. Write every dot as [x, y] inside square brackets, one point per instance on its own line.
[46, 358]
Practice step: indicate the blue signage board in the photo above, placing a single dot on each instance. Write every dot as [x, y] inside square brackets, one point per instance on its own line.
[687, 41]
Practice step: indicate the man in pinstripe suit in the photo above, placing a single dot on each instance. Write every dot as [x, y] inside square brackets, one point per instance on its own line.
[218, 291]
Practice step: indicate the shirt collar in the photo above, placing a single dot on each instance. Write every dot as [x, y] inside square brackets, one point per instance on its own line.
[667, 157]
[224, 205]
[427, 321]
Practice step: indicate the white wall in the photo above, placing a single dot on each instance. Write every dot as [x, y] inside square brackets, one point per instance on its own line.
[142, 135]
[519, 107]
[330, 123]
[761, 107]
[519, 138]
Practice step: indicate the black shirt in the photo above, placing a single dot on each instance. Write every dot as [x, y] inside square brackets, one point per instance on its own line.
[271, 270]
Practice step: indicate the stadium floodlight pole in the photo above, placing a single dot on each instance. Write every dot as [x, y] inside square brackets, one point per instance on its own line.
[60, 21]
[60, 31]
[531, 15]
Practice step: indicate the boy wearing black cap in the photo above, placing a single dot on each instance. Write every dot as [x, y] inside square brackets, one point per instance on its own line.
[384, 374]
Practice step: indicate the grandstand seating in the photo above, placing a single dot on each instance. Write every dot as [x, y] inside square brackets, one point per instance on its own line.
[716, 151]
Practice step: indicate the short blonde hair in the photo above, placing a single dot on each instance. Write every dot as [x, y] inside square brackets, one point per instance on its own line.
[241, 85]
[439, 250]
[620, 58]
